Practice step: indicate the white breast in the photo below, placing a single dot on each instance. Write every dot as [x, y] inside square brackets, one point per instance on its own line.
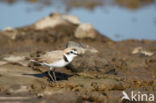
[59, 64]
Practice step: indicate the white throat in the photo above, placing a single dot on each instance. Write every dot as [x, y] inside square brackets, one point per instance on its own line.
[70, 57]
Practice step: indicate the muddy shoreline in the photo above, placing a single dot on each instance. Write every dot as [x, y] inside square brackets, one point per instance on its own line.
[93, 78]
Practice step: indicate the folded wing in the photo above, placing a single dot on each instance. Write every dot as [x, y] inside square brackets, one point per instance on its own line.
[50, 57]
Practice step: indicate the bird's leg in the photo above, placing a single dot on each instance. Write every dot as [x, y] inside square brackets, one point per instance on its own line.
[54, 74]
[50, 74]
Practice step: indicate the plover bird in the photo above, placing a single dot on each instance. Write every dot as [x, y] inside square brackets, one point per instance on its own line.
[56, 59]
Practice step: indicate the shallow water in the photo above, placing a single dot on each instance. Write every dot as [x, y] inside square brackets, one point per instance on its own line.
[117, 22]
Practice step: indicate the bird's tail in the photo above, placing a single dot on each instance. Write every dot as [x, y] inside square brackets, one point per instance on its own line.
[33, 60]
[36, 62]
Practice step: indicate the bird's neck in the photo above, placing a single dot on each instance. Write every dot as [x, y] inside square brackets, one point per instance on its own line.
[68, 58]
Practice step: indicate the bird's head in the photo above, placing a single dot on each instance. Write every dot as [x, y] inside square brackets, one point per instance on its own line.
[71, 53]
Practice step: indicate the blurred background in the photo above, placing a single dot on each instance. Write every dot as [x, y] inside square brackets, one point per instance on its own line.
[117, 19]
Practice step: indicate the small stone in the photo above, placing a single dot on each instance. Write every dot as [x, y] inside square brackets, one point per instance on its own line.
[56, 19]
[40, 95]
[71, 18]
[142, 51]
[85, 31]
[81, 47]
[10, 32]
[17, 89]
[13, 58]
[9, 29]
[49, 22]
[18, 60]
[3, 62]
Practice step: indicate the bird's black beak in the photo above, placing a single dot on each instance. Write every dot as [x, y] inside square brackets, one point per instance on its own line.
[76, 54]
[79, 55]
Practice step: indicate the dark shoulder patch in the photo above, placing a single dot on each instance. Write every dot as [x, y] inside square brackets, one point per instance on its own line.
[65, 58]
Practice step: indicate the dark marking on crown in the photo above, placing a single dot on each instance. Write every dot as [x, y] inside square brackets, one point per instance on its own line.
[65, 58]
[74, 49]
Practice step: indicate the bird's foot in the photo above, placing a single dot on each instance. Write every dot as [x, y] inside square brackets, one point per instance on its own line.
[51, 81]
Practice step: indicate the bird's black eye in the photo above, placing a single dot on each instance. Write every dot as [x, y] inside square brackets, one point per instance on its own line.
[71, 52]
[74, 49]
